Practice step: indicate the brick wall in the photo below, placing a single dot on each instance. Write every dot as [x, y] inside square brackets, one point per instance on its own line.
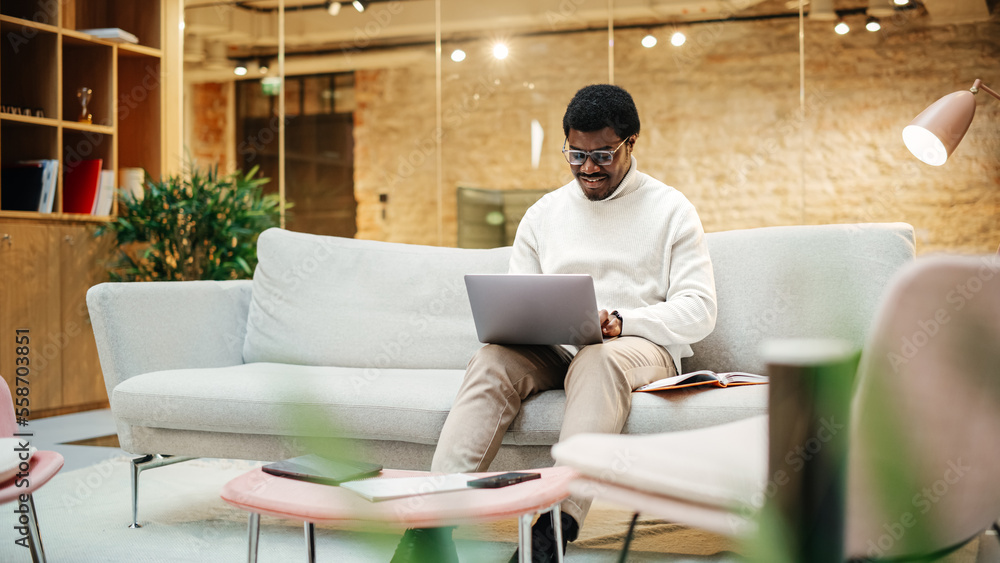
[721, 122]
[208, 135]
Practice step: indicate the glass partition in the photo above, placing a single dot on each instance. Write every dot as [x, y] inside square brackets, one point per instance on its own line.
[727, 118]
[502, 117]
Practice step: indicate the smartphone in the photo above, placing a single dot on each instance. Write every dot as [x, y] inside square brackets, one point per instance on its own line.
[502, 480]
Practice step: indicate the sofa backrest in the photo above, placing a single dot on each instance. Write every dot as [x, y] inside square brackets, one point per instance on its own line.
[320, 300]
[802, 281]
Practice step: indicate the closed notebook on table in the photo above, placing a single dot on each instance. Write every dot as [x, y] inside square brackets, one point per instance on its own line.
[318, 469]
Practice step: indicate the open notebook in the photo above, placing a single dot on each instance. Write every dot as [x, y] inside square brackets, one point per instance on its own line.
[392, 488]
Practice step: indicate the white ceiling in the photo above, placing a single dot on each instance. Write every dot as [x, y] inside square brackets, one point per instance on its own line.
[217, 32]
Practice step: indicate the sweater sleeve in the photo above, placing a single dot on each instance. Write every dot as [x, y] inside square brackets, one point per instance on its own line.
[688, 314]
[524, 255]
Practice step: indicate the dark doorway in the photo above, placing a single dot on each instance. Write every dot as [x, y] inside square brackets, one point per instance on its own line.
[319, 147]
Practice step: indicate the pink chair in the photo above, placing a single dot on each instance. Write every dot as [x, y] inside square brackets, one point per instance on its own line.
[42, 467]
[921, 477]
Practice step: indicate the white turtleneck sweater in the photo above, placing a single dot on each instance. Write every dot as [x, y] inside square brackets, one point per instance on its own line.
[643, 245]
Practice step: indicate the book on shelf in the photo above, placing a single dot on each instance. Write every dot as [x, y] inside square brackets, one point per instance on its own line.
[21, 186]
[50, 174]
[113, 34]
[80, 186]
[705, 377]
[105, 194]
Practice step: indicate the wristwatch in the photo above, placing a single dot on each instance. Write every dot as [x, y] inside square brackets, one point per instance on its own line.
[621, 323]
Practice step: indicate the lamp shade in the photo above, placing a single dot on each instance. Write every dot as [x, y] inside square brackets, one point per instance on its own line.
[933, 135]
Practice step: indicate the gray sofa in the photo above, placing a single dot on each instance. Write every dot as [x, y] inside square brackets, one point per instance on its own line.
[366, 342]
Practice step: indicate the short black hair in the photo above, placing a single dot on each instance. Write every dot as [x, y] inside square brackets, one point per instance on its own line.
[598, 106]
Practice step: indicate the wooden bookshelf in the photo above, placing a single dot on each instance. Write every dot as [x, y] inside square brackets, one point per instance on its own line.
[44, 61]
[49, 260]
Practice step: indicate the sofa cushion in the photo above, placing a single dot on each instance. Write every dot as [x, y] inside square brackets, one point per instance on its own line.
[292, 400]
[330, 301]
[390, 404]
[814, 281]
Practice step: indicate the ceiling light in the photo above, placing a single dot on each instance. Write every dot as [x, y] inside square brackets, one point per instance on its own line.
[933, 135]
[500, 51]
[822, 10]
[677, 39]
[458, 55]
[873, 24]
[901, 2]
[880, 9]
[842, 28]
[359, 5]
[241, 69]
[215, 53]
[262, 66]
[648, 41]
[333, 8]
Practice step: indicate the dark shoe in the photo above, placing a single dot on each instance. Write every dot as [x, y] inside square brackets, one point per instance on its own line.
[543, 538]
[426, 545]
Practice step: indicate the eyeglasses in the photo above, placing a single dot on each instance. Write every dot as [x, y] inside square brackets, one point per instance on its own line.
[600, 157]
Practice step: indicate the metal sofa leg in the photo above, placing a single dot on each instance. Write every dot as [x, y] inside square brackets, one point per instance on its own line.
[140, 464]
[34, 534]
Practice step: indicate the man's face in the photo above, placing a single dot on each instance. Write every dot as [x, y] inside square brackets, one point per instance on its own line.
[598, 182]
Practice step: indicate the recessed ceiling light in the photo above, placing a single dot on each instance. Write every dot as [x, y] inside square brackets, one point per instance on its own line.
[333, 8]
[677, 39]
[458, 55]
[240, 70]
[842, 28]
[359, 5]
[648, 41]
[901, 2]
[873, 24]
[500, 51]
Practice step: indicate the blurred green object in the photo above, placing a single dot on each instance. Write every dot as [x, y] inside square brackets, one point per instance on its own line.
[199, 225]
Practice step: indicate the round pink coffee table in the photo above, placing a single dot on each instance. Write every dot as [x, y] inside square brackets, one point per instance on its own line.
[261, 493]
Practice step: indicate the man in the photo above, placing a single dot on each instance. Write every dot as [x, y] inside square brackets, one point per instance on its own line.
[644, 245]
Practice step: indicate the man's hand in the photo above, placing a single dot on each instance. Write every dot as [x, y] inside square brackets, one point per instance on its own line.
[610, 325]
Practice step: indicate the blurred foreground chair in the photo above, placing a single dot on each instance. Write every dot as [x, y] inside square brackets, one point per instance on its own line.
[20, 486]
[918, 476]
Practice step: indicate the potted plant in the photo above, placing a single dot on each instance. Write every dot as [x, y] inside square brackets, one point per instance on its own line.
[195, 226]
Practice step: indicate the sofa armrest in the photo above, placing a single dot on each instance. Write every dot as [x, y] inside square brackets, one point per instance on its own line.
[150, 326]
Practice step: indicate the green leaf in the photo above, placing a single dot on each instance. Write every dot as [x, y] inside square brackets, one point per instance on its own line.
[193, 216]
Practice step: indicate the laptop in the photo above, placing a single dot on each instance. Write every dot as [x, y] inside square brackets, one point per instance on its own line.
[534, 308]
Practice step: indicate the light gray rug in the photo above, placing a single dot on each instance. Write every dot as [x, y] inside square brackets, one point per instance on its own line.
[84, 515]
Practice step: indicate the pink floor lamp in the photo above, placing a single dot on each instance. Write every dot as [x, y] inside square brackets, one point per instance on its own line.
[933, 135]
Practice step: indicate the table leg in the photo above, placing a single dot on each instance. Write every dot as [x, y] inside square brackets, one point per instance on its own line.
[311, 541]
[557, 527]
[524, 538]
[253, 536]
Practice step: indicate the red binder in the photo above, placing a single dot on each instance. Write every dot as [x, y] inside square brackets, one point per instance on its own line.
[80, 186]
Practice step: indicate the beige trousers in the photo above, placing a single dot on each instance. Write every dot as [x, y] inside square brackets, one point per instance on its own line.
[598, 381]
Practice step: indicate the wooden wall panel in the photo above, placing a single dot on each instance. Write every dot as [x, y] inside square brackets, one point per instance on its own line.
[29, 282]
